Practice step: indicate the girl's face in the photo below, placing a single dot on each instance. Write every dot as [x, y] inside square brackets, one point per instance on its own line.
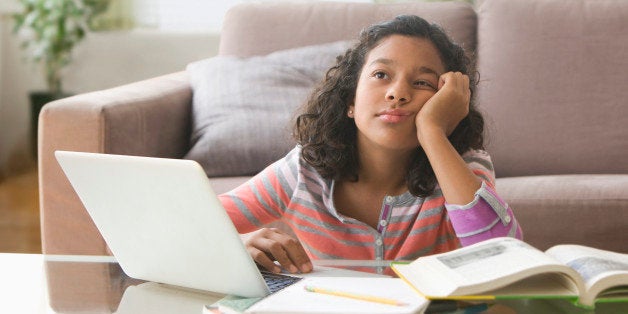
[398, 77]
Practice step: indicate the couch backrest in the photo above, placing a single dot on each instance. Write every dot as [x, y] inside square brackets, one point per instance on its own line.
[553, 85]
[257, 29]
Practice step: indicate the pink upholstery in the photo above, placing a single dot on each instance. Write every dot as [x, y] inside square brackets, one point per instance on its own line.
[577, 209]
[255, 29]
[553, 83]
[553, 76]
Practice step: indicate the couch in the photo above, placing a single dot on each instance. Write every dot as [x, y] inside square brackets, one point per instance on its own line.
[552, 88]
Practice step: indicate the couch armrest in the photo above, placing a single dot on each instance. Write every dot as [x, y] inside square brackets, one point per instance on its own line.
[147, 118]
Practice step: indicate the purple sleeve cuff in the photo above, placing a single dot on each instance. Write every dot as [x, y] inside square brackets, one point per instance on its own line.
[487, 216]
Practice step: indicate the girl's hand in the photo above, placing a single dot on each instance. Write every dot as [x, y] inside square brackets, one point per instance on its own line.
[269, 244]
[447, 107]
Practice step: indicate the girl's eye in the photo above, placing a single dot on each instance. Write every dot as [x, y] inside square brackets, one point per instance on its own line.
[424, 84]
[380, 75]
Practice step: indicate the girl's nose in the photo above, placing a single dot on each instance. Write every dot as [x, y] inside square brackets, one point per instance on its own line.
[398, 94]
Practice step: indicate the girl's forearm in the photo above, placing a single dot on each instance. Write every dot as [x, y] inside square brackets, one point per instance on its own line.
[457, 182]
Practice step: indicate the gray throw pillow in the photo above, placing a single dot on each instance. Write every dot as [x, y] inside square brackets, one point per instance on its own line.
[243, 108]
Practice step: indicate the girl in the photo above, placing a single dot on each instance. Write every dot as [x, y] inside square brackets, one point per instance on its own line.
[389, 162]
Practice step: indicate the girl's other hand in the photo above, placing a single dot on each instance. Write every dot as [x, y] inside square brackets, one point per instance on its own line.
[269, 244]
[447, 107]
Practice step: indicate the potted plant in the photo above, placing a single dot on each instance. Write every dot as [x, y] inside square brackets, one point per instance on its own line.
[51, 30]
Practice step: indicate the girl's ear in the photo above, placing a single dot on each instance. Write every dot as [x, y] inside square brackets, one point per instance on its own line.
[350, 111]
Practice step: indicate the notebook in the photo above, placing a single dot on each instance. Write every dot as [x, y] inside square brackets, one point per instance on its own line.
[163, 222]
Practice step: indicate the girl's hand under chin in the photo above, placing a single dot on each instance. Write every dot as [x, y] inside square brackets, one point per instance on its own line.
[447, 107]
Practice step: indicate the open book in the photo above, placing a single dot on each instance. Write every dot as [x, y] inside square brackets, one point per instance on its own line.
[509, 268]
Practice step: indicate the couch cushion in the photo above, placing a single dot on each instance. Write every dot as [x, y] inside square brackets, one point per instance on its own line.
[553, 85]
[242, 108]
[259, 28]
[576, 209]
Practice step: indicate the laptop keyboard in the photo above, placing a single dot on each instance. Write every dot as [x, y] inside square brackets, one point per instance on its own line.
[276, 282]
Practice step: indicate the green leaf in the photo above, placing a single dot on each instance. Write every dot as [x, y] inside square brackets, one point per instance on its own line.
[56, 27]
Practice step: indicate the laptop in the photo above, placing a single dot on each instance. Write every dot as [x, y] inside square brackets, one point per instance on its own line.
[163, 222]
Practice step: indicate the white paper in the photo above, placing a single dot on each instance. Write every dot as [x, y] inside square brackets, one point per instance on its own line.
[295, 299]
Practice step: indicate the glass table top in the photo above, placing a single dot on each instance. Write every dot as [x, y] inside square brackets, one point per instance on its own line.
[34, 283]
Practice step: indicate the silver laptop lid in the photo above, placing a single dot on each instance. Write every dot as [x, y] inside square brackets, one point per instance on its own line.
[163, 222]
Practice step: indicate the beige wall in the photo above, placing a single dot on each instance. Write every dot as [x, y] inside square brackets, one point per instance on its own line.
[103, 60]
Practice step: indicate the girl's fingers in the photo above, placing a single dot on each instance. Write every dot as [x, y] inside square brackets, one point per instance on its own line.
[290, 253]
[270, 244]
[294, 253]
[262, 259]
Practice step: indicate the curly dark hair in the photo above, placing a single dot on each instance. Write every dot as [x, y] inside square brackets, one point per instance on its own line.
[328, 137]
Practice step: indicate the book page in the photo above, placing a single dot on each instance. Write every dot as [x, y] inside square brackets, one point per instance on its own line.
[493, 259]
[589, 262]
[545, 285]
[600, 269]
[480, 267]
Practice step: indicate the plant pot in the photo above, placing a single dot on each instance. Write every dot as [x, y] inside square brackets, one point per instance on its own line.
[38, 100]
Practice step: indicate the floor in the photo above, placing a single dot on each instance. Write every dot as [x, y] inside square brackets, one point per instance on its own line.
[19, 214]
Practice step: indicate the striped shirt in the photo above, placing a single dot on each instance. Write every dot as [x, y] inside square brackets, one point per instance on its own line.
[409, 227]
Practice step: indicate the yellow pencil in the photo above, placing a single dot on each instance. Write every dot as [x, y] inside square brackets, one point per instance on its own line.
[355, 296]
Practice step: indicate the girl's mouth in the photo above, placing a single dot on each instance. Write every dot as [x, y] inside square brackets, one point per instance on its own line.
[394, 115]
